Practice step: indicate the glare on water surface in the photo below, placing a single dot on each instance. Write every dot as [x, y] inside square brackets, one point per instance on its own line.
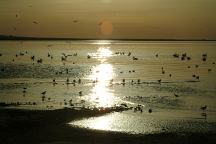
[102, 42]
[102, 123]
[102, 74]
[93, 69]
[104, 52]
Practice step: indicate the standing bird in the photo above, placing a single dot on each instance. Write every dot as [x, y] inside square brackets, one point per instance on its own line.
[67, 81]
[79, 81]
[80, 93]
[24, 90]
[156, 55]
[43, 98]
[138, 81]
[129, 53]
[33, 58]
[203, 107]
[150, 110]
[43, 93]
[176, 95]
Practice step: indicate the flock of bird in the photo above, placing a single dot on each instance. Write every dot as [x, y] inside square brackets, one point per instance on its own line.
[64, 58]
[35, 22]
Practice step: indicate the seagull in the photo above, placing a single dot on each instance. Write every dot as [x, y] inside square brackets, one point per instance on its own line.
[203, 107]
[129, 53]
[156, 55]
[33, 57]
[35, 22]
[135, 58]
[43, 93]
[188, 58]
[43, 98]
[67, 81]
[150, 110]
[75, 21]
[80, 93]
[204, 58]
[176, 95]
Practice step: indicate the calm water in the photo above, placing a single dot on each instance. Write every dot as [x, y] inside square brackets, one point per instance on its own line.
[101, 81]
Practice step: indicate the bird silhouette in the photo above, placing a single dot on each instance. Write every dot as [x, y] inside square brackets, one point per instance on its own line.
[150, 110]
[80, 93]
[43, 93]
[203, 107]
[35, 22]
[176, 95]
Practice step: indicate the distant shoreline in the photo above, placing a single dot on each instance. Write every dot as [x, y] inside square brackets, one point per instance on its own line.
[11, 37]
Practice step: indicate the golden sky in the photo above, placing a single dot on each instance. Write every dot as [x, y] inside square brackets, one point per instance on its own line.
[177, 19]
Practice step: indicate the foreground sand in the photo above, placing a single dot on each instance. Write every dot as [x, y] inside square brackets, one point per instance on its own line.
[28, 126]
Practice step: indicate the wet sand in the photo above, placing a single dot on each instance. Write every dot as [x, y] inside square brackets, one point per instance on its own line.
[50, 126]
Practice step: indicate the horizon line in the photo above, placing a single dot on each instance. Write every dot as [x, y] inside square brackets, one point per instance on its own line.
[13, 37]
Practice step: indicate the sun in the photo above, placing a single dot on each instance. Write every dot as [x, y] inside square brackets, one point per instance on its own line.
[106, 27]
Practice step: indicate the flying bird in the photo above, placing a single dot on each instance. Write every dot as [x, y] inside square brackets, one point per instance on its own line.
[75, 21]
[35, 22]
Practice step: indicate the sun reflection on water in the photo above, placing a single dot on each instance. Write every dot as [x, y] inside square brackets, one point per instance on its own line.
[101, 94]
[102, 54]
[101, 123]
[103, 73]
[102, 42]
